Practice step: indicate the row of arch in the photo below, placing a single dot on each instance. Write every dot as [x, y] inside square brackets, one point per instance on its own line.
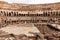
[17, 21]
[31, 21]
[51, 13]
[6, 13]
[3, 13]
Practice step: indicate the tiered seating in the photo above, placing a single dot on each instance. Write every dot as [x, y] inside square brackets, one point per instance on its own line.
[45, 29]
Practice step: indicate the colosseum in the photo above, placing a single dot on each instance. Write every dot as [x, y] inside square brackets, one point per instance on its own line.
[29, 21]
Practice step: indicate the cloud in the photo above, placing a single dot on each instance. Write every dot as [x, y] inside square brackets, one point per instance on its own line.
[31, 1]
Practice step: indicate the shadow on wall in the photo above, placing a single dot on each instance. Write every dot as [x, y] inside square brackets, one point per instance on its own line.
[51, 27]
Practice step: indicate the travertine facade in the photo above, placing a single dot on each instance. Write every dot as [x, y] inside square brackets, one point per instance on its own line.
[45, 17]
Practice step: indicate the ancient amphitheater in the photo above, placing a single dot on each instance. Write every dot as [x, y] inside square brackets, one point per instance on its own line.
[29, 21]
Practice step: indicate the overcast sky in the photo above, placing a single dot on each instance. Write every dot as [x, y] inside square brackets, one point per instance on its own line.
[32, 1]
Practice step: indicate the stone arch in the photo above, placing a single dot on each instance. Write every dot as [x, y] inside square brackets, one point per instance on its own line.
[9, 13]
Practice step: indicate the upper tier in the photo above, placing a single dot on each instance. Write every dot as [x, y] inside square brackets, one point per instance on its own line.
[29, 7]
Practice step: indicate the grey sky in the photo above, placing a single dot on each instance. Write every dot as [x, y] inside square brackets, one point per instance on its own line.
[32, 1]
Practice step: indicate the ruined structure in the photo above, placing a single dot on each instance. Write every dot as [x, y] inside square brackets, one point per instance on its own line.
[45, 17]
